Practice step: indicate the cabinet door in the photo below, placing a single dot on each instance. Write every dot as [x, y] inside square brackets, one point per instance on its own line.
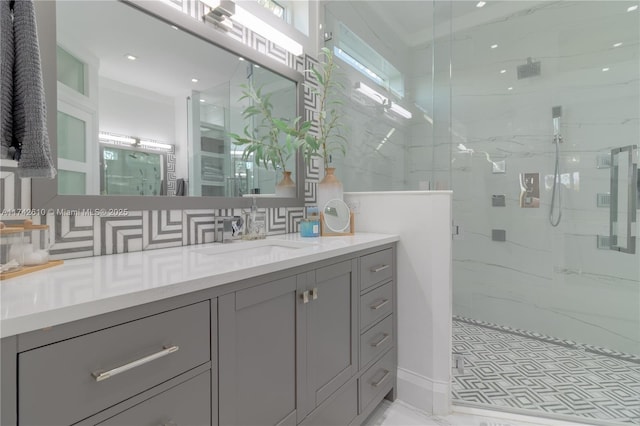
[257, 363]
[331, 331]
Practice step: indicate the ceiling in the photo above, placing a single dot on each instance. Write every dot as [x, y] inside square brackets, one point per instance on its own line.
[417, 22]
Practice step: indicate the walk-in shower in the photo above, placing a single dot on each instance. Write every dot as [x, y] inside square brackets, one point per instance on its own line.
[547, 318]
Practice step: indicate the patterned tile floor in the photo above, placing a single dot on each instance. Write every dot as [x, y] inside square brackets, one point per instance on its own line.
[514, 371]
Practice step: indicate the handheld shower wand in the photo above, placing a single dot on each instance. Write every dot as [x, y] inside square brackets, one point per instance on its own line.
[556, 113]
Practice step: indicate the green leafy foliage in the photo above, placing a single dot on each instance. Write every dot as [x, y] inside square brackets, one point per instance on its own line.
[329, 138]
[267, 140]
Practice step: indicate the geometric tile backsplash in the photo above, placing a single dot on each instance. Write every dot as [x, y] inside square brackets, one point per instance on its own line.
[83, 235]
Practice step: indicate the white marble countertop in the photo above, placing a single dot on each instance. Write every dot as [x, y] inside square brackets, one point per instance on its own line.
[86, 287]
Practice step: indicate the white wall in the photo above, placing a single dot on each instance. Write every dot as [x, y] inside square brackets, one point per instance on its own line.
[422, 219]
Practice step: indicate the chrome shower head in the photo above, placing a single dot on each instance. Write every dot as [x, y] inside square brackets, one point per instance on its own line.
[556, 112]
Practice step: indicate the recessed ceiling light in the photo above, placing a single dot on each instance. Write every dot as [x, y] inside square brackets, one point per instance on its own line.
[481, 4]
[618, 44]
[201, 100]
[241, 58]
[494, 46]
[131, 57]
[509, 88]
[605, 69]
[194, 80]
[632, 8]
[503, 71]
[174, 27]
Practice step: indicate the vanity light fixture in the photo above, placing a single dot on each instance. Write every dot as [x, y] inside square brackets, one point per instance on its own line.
[632, 8]
[503, 71]
[509, 88]
[108, 137]
[605, 69]
[618, 44]
[194, 80]
[241, 58]
[400, 110]
[130, 57]
[113, 139]
[155, 145]
[370, 93]
[481, 4]
[494, 46]
[221, 10]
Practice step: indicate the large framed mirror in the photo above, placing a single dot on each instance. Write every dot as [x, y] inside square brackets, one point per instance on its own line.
[142, 102]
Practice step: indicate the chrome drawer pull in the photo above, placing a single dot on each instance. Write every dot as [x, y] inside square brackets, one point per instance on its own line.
[385, 337]
[379, 305]
[379, 382]
[314, 293]
[379, 268]
[305, 297]
[103, 375]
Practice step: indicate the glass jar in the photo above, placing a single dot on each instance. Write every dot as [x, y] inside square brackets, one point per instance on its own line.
[12, 246]
[37, 244]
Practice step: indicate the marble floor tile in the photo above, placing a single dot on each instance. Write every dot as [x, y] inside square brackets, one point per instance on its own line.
[512, 371]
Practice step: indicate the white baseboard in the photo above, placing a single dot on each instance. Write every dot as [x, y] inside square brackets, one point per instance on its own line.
[424, 393]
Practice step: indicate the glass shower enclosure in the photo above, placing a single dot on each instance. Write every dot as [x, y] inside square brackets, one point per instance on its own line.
[530, 112]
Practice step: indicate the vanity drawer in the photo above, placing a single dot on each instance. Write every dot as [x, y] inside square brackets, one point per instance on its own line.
[375, 305]
[377, 380]
[376, 267]
[187, 404]
[376, 341]
[61, 383]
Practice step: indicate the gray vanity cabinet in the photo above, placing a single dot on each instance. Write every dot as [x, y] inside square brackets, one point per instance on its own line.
[257, 329]
[328, 332]
[186, 404]
[65, 382]
[287, 345]
[314, 345]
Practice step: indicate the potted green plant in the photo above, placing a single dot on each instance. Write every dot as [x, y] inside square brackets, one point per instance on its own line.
[267, 140]
[329, 137]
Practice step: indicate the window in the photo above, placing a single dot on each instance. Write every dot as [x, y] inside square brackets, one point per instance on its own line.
[354, 51]
[276, 8]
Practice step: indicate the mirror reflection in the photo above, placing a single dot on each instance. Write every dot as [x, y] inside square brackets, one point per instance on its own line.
[145, 108]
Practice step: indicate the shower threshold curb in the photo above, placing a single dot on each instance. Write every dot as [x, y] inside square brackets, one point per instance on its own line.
[553, 340]
[512, 415]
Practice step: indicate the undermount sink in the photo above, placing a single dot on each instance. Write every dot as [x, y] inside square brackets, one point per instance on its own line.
[256, 247]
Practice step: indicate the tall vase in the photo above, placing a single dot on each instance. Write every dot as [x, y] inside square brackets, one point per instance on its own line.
[329, 188]
[286, 187]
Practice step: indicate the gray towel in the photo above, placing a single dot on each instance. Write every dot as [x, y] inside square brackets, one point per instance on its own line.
[6, 78]
[29, 109]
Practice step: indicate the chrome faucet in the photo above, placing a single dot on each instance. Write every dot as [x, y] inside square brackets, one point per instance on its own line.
[228, 229]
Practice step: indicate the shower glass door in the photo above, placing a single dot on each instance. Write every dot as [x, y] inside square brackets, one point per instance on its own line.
[547, 319]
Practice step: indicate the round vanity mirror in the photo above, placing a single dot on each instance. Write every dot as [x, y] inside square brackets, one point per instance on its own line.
[336, 215]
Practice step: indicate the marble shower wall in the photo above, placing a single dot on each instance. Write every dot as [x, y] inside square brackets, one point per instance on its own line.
[90, 235]
[550, 280]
